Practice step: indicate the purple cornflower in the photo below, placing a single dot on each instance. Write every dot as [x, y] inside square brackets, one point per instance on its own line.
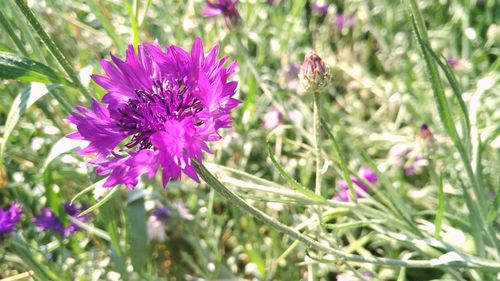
[166, 104]
[320, 9]
[47, 220]
[367, 174]
[342, 22]
[74, 212]
[10, 217]
[222, 7]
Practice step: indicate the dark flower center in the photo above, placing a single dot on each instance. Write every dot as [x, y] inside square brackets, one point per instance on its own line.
[146, 114]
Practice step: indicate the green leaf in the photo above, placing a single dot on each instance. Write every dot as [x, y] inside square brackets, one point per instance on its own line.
[20, 68]
[293, 183]
[62, 146]
[106, 198]
[43, 268]
[98, 8]
[22, 102]
[136, 230]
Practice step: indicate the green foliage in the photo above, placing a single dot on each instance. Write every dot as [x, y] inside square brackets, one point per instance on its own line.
[255, 216]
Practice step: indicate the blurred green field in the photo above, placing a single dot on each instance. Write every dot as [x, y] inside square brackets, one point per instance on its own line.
[382, 89]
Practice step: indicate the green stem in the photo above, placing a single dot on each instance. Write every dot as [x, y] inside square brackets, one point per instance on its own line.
[467, 262]
[342, 162]
[317, 142]
[52, 47]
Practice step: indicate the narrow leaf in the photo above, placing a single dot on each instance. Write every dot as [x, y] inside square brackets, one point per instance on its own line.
[21, 103]
[21, 68]
[293, 183]
[137, 236]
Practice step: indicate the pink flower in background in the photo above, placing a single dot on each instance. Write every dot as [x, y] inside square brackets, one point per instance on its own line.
[367, 174]
[341, 21]
[164, 104]
[320, 9]
[272, 119]
[227, 8]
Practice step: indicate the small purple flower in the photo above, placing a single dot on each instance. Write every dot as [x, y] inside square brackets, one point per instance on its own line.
[165, 105]
[47, 220]
[161, 213]
[367, 174]
[320, 9]
[10, 217]
[452, 62]
[342, 22]
[73, 211]
[227, 8]
[416, 166]
[272, 119]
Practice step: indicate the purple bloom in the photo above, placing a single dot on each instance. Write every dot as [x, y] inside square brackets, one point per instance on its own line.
[367, 174]
[10, 217]
[342, 22]
[320, 9]
[166, 104]
[47, 220]
[74, 212]
[222, 7]
[161, 213]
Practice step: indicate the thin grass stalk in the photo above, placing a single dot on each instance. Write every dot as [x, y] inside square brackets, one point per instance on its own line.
[467, 262]
[52, 47]
[8, 28]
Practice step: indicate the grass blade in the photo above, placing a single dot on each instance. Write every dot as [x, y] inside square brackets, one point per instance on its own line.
[136, 232]
[21, 68]
[21, 103]
[293, 183]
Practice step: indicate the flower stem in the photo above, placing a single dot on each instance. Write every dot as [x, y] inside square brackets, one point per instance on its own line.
[52, 47]
[317, 142]
[466, 261]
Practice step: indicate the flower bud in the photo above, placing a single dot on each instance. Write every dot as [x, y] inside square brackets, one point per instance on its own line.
[313, 74]
[425, 139]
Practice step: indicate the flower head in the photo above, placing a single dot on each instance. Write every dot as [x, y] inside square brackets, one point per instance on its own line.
[47, 220]
[314, 74]
[222, 7]
[165, 105]
[365, 173]
[9, 218]
[341, 21]
[320, 9]
[72, 211]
